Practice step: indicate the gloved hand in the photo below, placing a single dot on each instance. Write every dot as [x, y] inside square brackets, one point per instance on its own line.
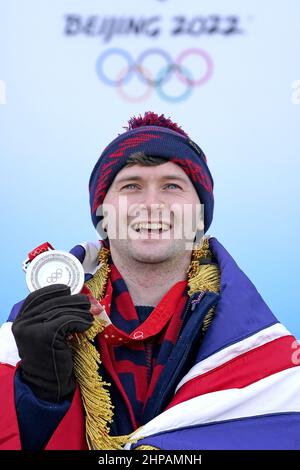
[46, 318]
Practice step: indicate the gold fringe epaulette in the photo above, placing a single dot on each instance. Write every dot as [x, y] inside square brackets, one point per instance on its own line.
[203, 277]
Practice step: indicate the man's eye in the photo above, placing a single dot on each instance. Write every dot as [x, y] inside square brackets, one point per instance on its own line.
[129, 186]
[174, 185]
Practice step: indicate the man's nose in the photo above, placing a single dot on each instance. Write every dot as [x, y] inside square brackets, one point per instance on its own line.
[152, 197]
[149, 203]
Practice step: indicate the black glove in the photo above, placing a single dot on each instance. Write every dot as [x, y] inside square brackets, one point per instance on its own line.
[46, 318]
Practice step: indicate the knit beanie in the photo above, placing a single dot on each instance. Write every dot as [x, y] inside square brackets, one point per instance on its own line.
[156, 136]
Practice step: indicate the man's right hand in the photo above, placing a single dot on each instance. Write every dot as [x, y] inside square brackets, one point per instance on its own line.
[45, 320]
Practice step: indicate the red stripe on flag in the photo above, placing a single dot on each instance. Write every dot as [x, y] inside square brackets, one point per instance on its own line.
[241, 371]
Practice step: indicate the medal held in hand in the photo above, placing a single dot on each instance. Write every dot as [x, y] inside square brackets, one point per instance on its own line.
[45, 266]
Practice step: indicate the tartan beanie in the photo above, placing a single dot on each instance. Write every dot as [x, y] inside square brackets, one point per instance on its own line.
[155, 136]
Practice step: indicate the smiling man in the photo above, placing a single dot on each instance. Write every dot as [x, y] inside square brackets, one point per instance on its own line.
[153, 213]
[168, 339]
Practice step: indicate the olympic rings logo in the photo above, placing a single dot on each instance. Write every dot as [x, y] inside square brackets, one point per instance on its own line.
[158, 80]
[55, 276]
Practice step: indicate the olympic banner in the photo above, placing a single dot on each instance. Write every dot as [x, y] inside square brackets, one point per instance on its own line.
[73, 72]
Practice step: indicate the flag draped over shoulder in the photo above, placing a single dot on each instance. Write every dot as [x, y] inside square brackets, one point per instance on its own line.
[243, 391]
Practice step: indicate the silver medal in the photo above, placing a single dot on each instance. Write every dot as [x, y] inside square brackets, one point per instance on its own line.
[55, 267]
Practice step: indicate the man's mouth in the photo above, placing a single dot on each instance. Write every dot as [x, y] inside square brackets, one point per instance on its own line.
[151, 227]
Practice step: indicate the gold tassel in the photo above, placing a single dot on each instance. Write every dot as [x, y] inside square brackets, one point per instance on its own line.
[97, 284]
[146, 448]
[95, 397]
[203, 277]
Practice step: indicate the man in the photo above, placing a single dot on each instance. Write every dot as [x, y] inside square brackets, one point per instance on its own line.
[191, 356]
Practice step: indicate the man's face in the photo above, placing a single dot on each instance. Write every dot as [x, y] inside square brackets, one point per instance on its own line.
[151, 213]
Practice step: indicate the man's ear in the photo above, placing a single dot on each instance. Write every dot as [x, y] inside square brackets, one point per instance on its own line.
[102, 229]
[200, 217]
[200, 226]
[199, 229]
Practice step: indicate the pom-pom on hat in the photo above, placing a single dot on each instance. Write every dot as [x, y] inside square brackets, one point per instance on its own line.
[155, 136]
